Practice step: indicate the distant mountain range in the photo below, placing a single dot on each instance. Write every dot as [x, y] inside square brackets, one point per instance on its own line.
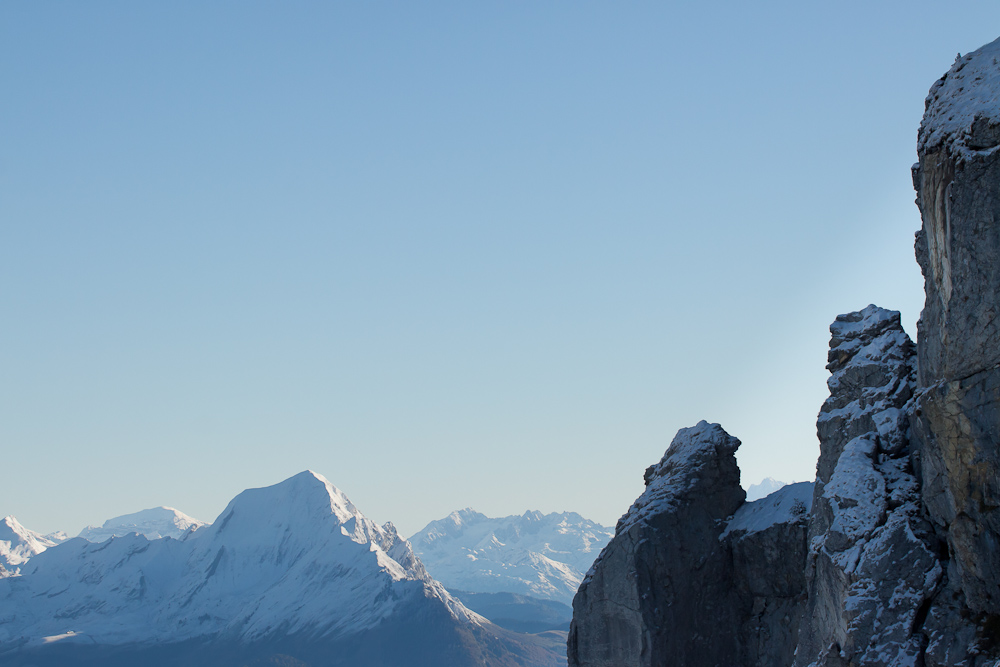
[544, 556]
[153, 523]
[18, 544]
[291, 574]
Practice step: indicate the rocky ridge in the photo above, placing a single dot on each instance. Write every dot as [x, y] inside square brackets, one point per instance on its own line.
[897, 563]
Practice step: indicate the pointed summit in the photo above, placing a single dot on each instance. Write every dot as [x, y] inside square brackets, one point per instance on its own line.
[17, 545]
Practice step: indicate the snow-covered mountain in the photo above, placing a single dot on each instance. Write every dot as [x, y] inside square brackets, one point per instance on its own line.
[18, 544]
[153, 523]
[540, 555]
[767, 486]
[293, 570]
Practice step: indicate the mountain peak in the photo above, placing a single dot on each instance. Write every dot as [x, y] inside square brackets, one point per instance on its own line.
[300, 500]
[18, 544]
[11, 523]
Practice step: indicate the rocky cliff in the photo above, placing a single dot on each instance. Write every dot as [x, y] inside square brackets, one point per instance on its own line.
[680, 583]
[957, 421]
[898, 560]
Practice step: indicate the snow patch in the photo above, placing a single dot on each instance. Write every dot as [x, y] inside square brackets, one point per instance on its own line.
[789, 504]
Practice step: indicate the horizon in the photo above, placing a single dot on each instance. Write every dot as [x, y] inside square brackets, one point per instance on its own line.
[445, 256]
[78, 533]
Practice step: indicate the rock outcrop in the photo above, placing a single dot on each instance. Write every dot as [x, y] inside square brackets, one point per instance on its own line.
[898, 561]
[864, 607]
[662, 588]
[679, 583]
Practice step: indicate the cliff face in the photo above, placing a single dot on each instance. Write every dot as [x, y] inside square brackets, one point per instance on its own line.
[694, 575]
[957, 421]
[661, 589]
[898, 560]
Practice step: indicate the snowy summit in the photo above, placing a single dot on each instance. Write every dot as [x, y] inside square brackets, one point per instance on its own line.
[18, 544]
[153, 523]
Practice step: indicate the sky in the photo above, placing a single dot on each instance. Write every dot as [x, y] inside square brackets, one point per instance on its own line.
[446, 254]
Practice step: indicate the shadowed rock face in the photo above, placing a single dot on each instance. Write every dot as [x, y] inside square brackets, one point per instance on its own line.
[662, 589]
[957, 418]
[695, 576]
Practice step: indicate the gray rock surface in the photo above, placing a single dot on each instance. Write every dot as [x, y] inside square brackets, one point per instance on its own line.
[767, 540]
[864, 607]
[681, 583]
[957, 420]
[662, 590]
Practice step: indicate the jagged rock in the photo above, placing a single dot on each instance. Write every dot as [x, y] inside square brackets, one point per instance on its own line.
[662, 591]
[864, 607]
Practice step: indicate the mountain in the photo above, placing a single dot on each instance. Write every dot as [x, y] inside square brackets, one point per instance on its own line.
[153, 523]
[767, 486]
[895, 561]
[539, 555]
[291, 571]
[18, 544]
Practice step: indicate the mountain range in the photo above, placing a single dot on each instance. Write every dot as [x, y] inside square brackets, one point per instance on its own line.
[289, 572]
[543, 556]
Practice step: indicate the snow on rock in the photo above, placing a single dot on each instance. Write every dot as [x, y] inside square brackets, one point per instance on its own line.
[636, 606]
[692, 455]
[958, 248]
[856, 495]
[788, 504]
[962, 110]
[18, 544]
[541, 555]
[864, 603]
[153, 523]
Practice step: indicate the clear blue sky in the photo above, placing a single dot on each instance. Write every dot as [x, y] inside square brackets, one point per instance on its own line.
[445, 254]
